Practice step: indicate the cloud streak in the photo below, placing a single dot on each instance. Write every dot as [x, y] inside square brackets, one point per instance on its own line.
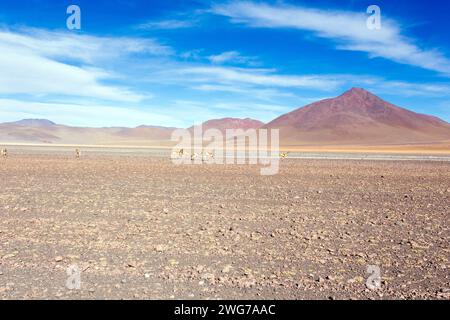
[347, 29]
[43, 63]
[84, 48]
[232, 57]
[252, 76]
[167, 25]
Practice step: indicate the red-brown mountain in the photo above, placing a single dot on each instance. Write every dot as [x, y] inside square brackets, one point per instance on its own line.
[358, 117]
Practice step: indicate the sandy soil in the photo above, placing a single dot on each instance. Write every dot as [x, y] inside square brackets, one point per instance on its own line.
[420, 149]
[441, 148]
[144, 228]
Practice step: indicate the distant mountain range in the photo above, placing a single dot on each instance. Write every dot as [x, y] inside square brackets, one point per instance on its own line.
[43, 131]
[356, 117]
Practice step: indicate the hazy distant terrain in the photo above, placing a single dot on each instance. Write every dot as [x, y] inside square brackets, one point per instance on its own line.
[47, 132]
[356, 118]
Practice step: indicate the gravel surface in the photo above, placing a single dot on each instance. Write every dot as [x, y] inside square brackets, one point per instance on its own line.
[143, 228]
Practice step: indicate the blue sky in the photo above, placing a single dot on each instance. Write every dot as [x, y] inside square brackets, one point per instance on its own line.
[173, 63]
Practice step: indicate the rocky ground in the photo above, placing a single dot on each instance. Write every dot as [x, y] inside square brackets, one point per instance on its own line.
[142, 228]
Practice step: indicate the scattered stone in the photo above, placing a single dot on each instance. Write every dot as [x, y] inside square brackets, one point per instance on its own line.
[226, 269]
[160, 248]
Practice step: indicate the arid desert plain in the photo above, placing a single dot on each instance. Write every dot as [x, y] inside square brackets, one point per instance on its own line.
[140, 227]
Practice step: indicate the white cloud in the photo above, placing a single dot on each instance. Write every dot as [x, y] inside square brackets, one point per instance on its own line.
[232, 57]
[36, 62]
[409, 89]
[84, 48]
[30, 74]
[166, 24]
[266, 94]
[348, 29]
[195, 54]
[269, 85]
[255, 77]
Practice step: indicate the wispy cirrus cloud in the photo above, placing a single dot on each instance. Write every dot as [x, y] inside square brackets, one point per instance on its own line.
[268, 85]
[170, 24]
[347, 29]
[80, 47]
[252, 76]
[234, 57]
[43, 63]
[31, 74]
[411, 89]
[262, 94]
